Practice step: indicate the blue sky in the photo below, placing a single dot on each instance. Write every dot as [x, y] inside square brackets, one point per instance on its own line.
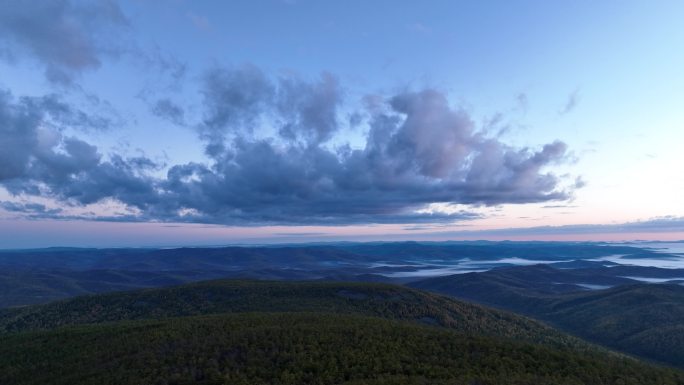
[179, 122]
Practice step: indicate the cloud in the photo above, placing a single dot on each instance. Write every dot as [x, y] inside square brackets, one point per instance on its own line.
[38, 159]
[66, 37]
[523, 102]
[237, 101]
[64, 114]
[30, 132]
[309, 109]
[233, 100]
[271, 160]
[32, 209]
[418, 151]
[165, 108]
[571, 103]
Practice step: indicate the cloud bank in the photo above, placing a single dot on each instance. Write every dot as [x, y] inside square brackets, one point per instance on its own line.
[65, 37]
[418, 150]
[276, 148]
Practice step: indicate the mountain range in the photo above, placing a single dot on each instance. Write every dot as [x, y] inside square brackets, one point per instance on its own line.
[579, 302]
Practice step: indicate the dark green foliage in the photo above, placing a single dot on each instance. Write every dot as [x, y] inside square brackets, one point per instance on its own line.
[299, 348]
[302, 333]
[381, 300]
[645, 319]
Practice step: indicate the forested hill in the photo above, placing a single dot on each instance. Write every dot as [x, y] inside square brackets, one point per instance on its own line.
[301, 348]
[257, 332]
[639, 319]
[230, 296]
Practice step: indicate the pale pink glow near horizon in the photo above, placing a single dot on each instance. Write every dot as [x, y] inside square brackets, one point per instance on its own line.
[595, 237]
[28, 234]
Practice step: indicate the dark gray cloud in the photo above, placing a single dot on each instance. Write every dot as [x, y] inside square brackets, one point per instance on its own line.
[31, 210]
[18, 136]
[239, 100]
[233, 100]
[165, 108]
[66, 37]
[309, 109]
[37, 158]
[59, 113]
[419, 150]
[30, 132]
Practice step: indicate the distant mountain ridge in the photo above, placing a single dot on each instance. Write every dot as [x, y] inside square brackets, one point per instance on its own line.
[43, 275]
[234, 257]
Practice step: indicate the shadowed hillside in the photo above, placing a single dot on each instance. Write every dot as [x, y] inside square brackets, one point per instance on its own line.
[255, 332]
[380, 300]
[641, 319]
[300, 348]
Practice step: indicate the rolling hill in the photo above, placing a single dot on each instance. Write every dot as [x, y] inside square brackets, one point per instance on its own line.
[300, 348]
[639, 319]
[230, 296]
[255, 332]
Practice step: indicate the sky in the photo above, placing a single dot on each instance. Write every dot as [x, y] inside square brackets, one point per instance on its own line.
[155, 123]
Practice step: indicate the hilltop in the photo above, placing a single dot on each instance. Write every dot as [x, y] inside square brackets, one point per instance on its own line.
[255, 332]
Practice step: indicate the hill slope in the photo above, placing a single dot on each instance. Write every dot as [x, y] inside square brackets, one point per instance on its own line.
[641, 319]
[299, 348]
[645, 320]
[227, 296]
[255, 332]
